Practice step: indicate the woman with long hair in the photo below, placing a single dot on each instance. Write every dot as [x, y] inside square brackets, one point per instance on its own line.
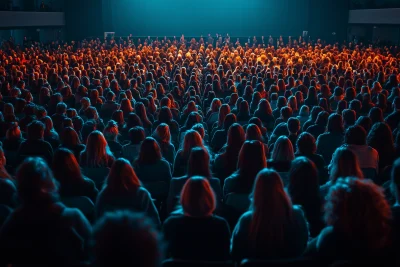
[219, 124]
[306, 147]
[273, 228]
[198, 165]
[251, 160]
[140, 110]
[219, 138]
[67, 172]
[197, 222]
[225, 163]
[333, 138]
[344, 163]
[162, 135]
[243, 115]
[123, 190]
[111, 134]
[359, 223]
[281, 155]
[96, 153]
[192, 139]
[150, 166]
[43, 220]
[264, 113]
[253, 133]
[50, 135]
[165, 116]
[70, 140]
[380, 138]
[303, 189]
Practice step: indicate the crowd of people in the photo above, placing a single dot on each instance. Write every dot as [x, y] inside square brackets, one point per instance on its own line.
[137, 154]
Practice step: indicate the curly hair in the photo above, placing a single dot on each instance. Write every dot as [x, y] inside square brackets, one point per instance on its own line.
[358, 210]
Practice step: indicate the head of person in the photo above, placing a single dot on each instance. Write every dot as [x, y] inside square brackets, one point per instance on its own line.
[61, 108]
[304, 183]
[358, 210]
[355, 135]
[66, 169]
[293, 125]
[199, 163]
[306, 144]
[122, 178]
[136, 135]
[304, 111]
[150, 152]
[197, 197]
[192, 139]
[162, 134]
[97, 150]
[253, 132]
[13, 132]
[364, 122]
[111, 131]
[35, 130]
[376, 115]
[335, 124]
[283, 150]
[270, 206]
[344, 163]
[132, 238]
[35, 182]
[251, 160]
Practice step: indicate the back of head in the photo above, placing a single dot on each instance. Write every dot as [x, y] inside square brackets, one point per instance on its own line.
[129, 238]
[306, 144]
[358, 210]
[122, 178]
[283, 150]
[272, 211]
[150, 152]
[293, 125]
[136, 135]
[199, 163]
[35, 130]
[251, 160]
[344, 163]
[197, 197]
[304, 183]
[335, 123]
[355, 135]
[35, 182]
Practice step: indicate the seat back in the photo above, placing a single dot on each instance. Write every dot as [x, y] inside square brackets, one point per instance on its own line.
[183, 263]
[82, 203]
[98, 175]
[239, 202]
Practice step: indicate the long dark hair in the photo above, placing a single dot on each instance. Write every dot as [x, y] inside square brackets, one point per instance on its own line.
[122, 178]
[251, 160]
[272, 211]
[199, 163]
[150, 152]
[304, 186]
[66, 169]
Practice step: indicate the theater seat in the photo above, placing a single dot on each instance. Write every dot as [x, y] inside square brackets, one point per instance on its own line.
[84, 204]
[182, 263]
[279, 263]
